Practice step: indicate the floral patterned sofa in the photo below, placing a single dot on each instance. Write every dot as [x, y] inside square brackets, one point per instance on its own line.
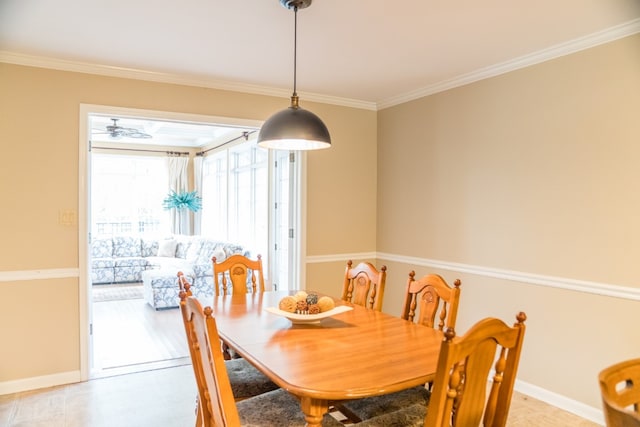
[156, 262]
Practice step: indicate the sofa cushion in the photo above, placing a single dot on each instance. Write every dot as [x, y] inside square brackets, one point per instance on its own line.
[149, 247]
[194, 250]
[232, 248]
[182, 246]
[205, 269]
[102, 248]
[127, 246]
[209, 249]
[167, 248]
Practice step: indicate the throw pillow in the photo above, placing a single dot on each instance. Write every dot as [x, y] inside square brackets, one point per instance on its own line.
[167, 248]
[219, 254]
[194, 250]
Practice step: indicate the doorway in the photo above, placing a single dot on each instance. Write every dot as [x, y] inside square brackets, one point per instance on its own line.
[114, 314]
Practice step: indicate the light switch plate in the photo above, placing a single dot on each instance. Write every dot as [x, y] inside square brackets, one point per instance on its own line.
[67, 217]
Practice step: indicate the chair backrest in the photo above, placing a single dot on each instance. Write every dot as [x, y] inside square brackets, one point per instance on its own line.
[459, 396]
[243, 273]
[217, 405]
[185, 291]
[364, 285]
[620, 389]
[429, 297]
[184, 284]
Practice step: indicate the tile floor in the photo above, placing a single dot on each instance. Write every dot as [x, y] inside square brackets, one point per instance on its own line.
[166, 398]
[159, 398]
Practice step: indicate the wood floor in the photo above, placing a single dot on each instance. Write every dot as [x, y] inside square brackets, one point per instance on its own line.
[130, 336]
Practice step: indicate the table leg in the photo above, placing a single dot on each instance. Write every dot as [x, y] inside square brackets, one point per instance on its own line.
[314, 410]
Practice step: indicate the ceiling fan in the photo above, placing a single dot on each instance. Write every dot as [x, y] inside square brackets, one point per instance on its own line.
[117, 132]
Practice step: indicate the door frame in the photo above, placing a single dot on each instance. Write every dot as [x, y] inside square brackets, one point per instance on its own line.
[84, 207]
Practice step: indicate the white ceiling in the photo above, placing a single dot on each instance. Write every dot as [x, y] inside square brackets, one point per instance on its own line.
[371, 51]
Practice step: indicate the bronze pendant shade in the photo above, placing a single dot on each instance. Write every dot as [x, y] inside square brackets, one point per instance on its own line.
[294, 128]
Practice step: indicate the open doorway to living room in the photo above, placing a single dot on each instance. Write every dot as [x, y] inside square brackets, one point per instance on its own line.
[138, 165]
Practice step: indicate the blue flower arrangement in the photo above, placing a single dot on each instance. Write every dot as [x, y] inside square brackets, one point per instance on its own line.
[184, 200]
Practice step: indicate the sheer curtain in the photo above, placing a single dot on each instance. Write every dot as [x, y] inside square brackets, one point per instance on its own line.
[179, 182]
[197, 183]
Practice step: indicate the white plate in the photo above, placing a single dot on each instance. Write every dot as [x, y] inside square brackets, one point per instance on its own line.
[308, 318]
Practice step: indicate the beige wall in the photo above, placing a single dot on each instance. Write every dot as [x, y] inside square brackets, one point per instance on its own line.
[39, 141]
[39, 329]
[535, 172]
[341, 205]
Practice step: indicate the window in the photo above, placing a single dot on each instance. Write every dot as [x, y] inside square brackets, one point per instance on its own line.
[125, 195]
[235, 197]
[284, 219]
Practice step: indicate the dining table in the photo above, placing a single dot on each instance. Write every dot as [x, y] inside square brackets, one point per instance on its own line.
[350, 355]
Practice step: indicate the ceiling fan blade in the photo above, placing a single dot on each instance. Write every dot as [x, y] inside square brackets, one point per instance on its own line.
[138, 134]
[118, 132]
[133, 133]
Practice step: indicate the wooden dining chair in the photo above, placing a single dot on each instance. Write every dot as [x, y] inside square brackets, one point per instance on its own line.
[430, 297]
[364, 285]
[426, 300]
[246, 381]
[459, 396]
[217, 406]
[620, 390]
[238, 274]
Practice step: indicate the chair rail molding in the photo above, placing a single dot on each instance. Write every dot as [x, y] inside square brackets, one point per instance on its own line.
[52, 273]
[314, 259]
[604, 289]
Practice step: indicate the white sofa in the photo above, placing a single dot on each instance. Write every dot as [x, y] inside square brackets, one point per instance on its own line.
[156, 262]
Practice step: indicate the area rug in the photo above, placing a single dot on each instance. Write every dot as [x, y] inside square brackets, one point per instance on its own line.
[103, 293]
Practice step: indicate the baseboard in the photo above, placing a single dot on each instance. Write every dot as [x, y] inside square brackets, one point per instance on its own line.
[33, 383]
[573, 406]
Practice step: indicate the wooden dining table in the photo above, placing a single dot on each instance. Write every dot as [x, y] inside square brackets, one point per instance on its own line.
[354, 354]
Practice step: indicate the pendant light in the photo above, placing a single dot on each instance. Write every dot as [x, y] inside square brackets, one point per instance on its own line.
[294, 128]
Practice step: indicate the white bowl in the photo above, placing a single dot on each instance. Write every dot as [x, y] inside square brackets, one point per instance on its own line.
[308, 318]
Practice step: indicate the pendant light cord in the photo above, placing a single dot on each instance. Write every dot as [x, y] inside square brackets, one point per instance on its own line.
[295, 48]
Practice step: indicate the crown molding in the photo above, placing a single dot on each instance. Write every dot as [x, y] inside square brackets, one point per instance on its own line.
[153, 76]
[559, 50]
[562, 49]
